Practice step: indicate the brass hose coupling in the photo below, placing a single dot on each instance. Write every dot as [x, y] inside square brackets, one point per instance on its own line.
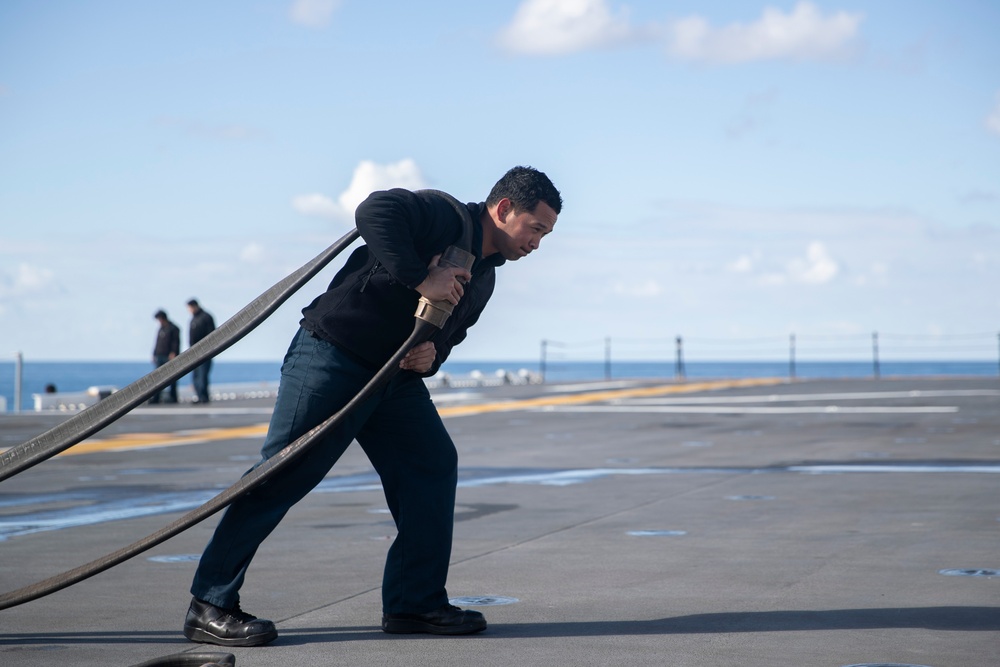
[437, 312]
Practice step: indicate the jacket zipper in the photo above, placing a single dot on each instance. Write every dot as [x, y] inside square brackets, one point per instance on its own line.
[364, 281]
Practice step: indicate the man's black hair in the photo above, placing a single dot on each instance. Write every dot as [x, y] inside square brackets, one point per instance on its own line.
[525, 187]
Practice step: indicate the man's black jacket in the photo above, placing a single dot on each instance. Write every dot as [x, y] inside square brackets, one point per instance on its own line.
[168, 340]
[368, 309]
[202, 324]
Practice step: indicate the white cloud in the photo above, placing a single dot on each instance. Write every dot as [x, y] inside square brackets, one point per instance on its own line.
[213, 131]
[557, 27]
[252, 253]
[313, 13]
[317, 204]
[24, 280]
[977, 195]
[877, 275]
[643, 290]
[742, 264]
[803, 34]
[368, 177]
[817, 268]
[993, 120]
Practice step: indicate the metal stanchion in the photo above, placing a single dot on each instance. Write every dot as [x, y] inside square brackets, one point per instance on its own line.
[18, 380]
[875, 364]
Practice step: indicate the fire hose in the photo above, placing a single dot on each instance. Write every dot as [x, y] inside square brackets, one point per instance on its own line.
[430, 316]
[90, 421]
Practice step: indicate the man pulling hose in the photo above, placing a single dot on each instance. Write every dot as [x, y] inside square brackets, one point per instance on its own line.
[345, 335]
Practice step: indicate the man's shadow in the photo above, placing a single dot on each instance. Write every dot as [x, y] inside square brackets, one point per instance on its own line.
[957, 619]
[964, 619]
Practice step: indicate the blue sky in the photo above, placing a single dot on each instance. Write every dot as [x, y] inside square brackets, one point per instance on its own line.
[733, 172]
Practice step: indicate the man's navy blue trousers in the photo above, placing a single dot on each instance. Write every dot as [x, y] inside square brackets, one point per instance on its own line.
[404, 438]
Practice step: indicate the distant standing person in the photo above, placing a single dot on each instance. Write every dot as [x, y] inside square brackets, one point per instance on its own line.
[202, 324]
[168, 346]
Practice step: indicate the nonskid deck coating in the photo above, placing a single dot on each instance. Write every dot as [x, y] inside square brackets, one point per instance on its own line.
[875, 596]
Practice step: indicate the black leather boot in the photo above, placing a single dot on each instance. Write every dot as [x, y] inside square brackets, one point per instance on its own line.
[209, 624]
[448, 620]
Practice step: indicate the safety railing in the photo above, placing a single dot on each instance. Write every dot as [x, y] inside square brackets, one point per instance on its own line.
[935, 354]
[608, 358]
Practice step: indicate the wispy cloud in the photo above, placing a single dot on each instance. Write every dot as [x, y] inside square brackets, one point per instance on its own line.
[993, 119]
[803, 34]
[744, 263]
[25, 280]
[25, 283]
[368, 177]
[979, 196]
[559, 27]
[318, 205]
[753, 114]
[816, 268]
[642, 289]
[313, 13]
[212, 131]
[252, 253]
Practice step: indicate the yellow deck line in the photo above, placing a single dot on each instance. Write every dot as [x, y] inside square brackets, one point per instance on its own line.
[598, 396]
[128, 441]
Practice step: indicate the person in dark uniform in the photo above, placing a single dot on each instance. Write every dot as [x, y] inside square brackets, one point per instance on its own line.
[167, 346]
[202, 324]
[347, 334]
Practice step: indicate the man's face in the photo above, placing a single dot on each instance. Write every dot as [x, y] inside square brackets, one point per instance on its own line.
[522, 231]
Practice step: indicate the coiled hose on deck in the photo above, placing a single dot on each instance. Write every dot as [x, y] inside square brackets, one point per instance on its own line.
[192, 660]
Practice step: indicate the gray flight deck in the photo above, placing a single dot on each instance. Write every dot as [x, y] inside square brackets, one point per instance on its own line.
[819, 523]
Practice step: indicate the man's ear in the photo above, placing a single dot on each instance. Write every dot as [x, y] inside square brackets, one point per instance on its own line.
[504, 206]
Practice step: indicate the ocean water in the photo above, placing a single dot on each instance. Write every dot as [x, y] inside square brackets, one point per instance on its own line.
[70, 376]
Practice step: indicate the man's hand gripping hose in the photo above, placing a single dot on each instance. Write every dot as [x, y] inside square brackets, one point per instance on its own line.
[430, 317]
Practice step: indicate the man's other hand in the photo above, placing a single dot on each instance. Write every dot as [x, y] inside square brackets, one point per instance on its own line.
[420, 358]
